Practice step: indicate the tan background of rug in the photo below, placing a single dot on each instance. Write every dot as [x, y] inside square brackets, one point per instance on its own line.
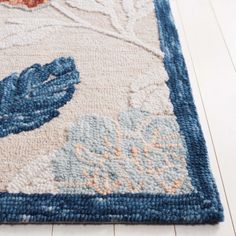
[106, 65]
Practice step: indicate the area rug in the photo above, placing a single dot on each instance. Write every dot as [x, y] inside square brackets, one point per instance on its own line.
[97, 119]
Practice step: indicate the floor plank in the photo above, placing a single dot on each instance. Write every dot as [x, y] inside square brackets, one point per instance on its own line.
[225, 13]
[81, 230]
[189, 10]
[25, 230]
[144, 230]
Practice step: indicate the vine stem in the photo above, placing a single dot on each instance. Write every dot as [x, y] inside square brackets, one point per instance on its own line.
[125, 37]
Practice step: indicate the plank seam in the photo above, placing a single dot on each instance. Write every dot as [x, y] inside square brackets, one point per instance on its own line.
[205, 114]
[222, 34]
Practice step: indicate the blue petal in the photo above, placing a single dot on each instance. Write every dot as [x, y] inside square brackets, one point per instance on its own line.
[7, 93]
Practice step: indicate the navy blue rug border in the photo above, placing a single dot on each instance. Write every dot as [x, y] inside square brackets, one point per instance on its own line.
[196, 208]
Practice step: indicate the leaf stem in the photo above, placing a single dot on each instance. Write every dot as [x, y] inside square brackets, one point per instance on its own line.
[123, 36]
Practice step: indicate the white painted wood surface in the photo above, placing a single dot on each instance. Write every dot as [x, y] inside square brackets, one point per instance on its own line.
[25, 230]
[144, 230]
[216, 78]
[224, 12]
[208, 37]
[83, 230]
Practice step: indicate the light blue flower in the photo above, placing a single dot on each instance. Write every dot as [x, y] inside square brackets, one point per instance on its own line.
[96, 134]
[138, 152]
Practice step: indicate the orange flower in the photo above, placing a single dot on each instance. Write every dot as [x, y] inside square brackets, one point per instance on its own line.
[27, 3]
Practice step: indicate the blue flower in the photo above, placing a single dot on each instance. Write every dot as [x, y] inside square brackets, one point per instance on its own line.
[137, 152]
[98, 134]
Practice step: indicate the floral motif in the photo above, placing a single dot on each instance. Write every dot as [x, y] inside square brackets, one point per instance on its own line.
[27, 3]
[133, 11]
[150, 93]
[139, 152]
[18, 31]
[32, 98]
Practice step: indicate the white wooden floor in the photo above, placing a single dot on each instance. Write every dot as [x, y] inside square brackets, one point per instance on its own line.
[208, 35]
